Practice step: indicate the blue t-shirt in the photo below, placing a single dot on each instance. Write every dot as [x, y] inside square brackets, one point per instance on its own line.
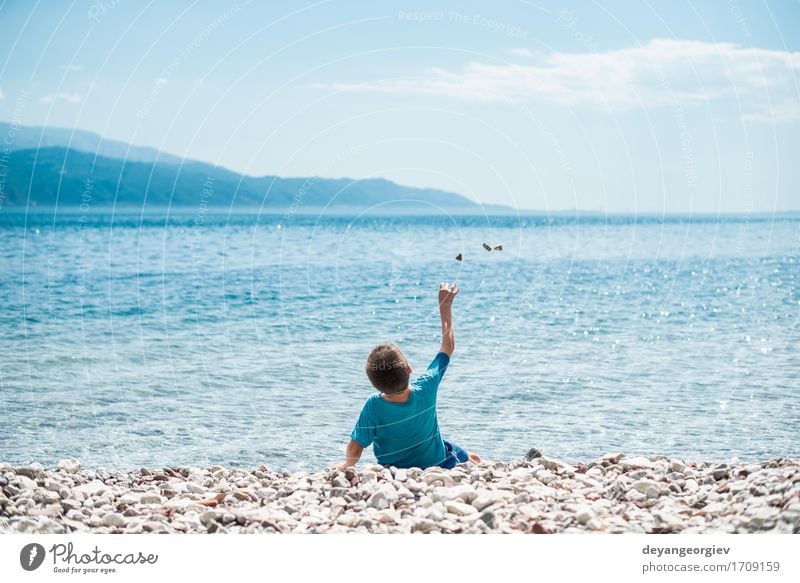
[406, 435]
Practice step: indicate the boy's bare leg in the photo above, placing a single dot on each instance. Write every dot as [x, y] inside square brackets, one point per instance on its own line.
[474, 458]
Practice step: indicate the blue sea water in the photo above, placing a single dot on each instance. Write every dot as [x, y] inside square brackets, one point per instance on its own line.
[193, 338]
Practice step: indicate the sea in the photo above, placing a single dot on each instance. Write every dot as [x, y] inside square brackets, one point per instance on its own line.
[195, 337]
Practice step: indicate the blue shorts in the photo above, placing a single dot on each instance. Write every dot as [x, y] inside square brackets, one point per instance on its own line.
[455, 455]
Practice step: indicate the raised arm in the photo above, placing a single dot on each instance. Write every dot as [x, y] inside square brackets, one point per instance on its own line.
[447, 292]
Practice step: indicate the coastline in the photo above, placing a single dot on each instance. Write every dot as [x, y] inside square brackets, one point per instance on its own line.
[613, 494]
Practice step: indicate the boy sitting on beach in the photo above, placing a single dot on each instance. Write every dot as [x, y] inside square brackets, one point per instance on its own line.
[400, 422]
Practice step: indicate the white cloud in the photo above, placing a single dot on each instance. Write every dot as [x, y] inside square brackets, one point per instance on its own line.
[68, 97]
[784, 112]
[2, 95]
[73, 68]
[661, 73]
[522, 52]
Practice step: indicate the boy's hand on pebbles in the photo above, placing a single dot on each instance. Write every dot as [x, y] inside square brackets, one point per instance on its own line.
[447, 293]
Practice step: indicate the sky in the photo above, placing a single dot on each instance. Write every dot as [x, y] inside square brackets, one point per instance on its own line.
[645, 107]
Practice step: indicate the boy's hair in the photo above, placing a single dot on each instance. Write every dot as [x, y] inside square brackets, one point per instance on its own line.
[387, 369]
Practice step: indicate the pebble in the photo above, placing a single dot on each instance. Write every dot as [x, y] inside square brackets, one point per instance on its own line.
[50, 497]
[378, 500]
[463, 492]
[32, 472]
[423, 525]
[636, 463]
[677, 465]
[70, 466]
[347, 520]
[715, 508]
[70, 504]
[532, 454]
[209, 516]
[113, 519]
[614, 494]
[489, 519]
[612, 458]
[25, 482]
[129, 498]
[583, 513]
[90, 489]
[486, 498]
[720, 472]
[557, 466]
[180, 503]
[649, 488]
[460, 508]
[521, 474]
[763, 517]
[340, 482]
[435, 476]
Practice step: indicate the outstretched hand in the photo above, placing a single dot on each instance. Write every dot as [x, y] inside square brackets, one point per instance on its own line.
[447, 293]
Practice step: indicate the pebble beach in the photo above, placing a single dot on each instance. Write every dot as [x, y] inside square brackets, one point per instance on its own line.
[613, 494]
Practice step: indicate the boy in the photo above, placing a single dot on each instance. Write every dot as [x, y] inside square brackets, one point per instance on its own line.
[401, 421]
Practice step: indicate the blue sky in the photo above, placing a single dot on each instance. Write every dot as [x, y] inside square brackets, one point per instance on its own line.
[613, 106]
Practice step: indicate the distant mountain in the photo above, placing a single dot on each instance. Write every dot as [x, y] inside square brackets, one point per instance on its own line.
[27, 138]
[67, 177]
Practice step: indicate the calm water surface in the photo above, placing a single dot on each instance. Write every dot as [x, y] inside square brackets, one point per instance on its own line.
[190, 339]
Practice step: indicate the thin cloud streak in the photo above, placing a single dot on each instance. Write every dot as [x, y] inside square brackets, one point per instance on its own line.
[660, 73]
[68, 97]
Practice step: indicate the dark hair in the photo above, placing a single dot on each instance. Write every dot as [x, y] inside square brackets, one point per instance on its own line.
[387, 369]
